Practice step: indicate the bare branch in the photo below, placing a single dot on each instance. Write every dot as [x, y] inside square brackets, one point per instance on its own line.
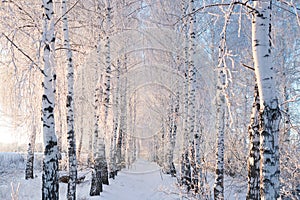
[247, 66]
[66, 12]
[218, 5]
[25, 54]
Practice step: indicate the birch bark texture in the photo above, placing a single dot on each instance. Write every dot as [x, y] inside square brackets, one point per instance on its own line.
[98, 156]
[71, 194]
[254, 156]
[30, 152]
[269, 109]
[192, 82]
[50, 186]
[185, 171]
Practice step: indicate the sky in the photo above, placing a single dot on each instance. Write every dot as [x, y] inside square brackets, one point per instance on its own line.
[9, 135]
[6, 131]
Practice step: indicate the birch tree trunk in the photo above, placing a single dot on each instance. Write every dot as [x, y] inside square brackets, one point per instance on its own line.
[131, 137]
[59, 128]
[192, 95]
[254, 157]
[30, 153]
[199, 157]
[116, 123]
[106, 103]
[96, 183]
[269, 109]
[50, 186]
[80, 138]
[121, 142]
[71, 195]
[169, 167]
[82, 114]
[29, 162]
[185, 171]
[221, 109]
[219, 179]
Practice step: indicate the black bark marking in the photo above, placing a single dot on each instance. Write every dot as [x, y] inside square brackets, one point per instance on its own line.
[46, 98]
[47, 47]
[49, 147]
[69, 101]
[49, 109]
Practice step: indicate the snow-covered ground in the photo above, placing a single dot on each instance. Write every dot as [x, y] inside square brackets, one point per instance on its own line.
[142, 181]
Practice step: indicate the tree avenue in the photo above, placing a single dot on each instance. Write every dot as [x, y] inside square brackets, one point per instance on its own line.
[207, 90]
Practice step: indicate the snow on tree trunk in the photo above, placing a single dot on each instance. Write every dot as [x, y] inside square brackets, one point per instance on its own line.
[80, 140]
[269, 109]
[174, 135]
[29, 162]
[192, 95]
[222, 84]
[121, 142]
[99, 165]
[71, 194]
[219, 173]
[198, 140]
[123, 128]
[59, 128]
[106, 102]
[254, 157]
[131, 137]
[50, 186]
[169, 167]
[185, 172]
[116, 123]
[82, 110]
[112, 156]
[90, 148]
[96, 183]
[30, 153]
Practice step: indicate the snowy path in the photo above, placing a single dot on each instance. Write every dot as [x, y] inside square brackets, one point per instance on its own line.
[144, 181]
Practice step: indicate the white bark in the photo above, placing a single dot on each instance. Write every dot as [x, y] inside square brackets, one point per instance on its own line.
[254, 157]
[221, 109]
[97, 146]
[106, 102]
[169, 167]
[269, 108]
[192, 96]
[50, 185]
[185, 172]
[219, 179]
[31, 149]
[71, 194]
[116, 123]
[122, 137]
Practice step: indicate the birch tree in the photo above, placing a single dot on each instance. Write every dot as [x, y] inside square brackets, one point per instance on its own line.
[106, 103]
[116, 122]
[123, 135]
[169, 167]
[98, 147]
[222, 84]
[192, 96]
[185, 162]
[50, 184]
[269, 115]
[71, 194]
[98, 143]
[31, 150]
[254, 157]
